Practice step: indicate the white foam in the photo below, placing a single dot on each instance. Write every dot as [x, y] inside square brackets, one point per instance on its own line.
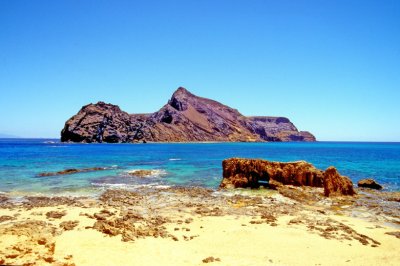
[153, 185]
[175, 159]
[129, 186]
[108, 185]
[58, 146]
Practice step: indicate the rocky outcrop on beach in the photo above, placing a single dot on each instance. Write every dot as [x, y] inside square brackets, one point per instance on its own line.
[369, 183]
[185, 118]
[248, 172]
[336, 184]
[241, 173]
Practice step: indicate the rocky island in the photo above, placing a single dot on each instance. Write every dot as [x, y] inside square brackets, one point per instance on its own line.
[185, 118]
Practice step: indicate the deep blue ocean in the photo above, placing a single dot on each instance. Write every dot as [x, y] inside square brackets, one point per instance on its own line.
[194, 164]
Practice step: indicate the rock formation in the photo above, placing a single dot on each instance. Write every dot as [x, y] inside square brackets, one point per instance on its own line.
[369, 183]
[186, 117]
[142, 173]
[250, 172]
[336, 184]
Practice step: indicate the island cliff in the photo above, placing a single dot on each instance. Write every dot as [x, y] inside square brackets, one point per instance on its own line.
[185, 118]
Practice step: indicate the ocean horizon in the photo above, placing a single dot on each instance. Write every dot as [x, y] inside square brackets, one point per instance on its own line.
[23, 161]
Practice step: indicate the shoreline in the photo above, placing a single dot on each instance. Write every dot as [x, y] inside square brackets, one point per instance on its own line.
[211, 142]
[96, 192]
[184, 226]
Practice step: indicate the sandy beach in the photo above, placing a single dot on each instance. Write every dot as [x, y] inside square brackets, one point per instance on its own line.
[195, 226]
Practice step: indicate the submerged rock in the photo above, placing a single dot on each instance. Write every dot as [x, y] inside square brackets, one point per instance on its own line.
[253, 172]
[71, 171]
[186, 117]
[142, 173]
[369, 183]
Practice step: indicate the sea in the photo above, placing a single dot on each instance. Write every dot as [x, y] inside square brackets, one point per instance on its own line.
[174, 164]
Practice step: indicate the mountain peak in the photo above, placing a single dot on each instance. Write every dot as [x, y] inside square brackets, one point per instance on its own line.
[182, 91]
[179, 99]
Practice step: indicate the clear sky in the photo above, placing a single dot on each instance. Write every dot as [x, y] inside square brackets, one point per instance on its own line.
[332, 67]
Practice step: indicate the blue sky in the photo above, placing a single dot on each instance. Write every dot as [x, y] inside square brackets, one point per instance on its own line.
[332, 67]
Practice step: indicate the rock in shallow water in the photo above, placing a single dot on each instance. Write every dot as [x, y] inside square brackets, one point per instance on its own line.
[369, 183]
[249, 172]
[72, 171]
[243, 173]
[142, 173]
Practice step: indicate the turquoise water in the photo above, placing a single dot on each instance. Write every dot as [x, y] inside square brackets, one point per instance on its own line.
[195, 164]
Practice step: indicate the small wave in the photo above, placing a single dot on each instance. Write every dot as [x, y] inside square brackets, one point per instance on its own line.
[153, 185]
[108, 185]
[175, 159]
[58, 146]
[129, 186]
[49, 142]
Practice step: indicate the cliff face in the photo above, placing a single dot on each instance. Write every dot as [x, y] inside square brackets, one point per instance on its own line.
[277, 129]
[185, 117]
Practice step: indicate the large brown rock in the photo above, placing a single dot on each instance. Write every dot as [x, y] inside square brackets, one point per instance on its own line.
[336, 184]
[248, 172]
[241, 173]
[186, 117]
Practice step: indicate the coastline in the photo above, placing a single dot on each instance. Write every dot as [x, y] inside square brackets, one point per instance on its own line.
[188, 142]
[184, 226]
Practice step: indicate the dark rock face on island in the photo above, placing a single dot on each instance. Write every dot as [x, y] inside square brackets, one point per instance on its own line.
[185, 118]
[242, 173]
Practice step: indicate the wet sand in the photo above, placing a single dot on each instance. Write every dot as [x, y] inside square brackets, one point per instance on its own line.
[195, 226]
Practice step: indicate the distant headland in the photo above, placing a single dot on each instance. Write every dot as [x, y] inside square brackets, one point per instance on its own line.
[185, 118]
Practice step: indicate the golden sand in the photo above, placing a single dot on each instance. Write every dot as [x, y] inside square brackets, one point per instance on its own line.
[297, 238]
